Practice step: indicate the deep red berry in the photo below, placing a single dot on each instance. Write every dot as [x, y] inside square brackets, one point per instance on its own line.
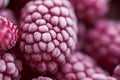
[48, 34]
[103, 44]
[81, 67]
[10, 68]
[8, 34]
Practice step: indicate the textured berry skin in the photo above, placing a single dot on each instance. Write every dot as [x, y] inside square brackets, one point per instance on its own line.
[7, 13]
[42, 78]
[8, 34]
[90, 10]
[103, 44]
[10, 68]
[116, 72]
[3, 3]
[48, 34]
[81, 67]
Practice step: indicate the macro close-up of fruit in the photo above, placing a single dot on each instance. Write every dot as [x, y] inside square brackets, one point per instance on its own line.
[59, 40]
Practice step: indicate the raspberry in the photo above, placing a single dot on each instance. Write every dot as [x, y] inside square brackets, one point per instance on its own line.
[42, 78]
[103, 44]
[48, 34]
[90, 10]
[116, 73]
[10, 67]
[7, 13]
[8, 34]
[81, 67]
[3, 3]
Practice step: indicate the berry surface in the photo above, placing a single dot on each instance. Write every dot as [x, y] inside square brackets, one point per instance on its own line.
[90, 10]
[81, 67]
[103, 43]
[10, 67]
[8, 34]
[48, 34]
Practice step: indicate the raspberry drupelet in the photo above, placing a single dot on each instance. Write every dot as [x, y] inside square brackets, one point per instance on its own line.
[81, 67]
[42, 78]
[48, 34]
[8, 34]
[10, 68]
[90, 10]
[103, 44]
[3, 3]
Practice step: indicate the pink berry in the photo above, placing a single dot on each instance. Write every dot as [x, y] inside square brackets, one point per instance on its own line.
[90, 10]
[103, 44]
[48, 34]
[10, 68]
[3, 3]
[8, 34]
[42, 78]
[7, 13]
[81, 67]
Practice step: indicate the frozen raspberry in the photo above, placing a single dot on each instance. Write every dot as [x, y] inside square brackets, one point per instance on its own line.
[8, 34]
[81, 67]
[103, 44]
[42, 78]
[7, 13]
[48, 34]
[3, 3]
[10, 68]
[116, 72]
[90, 10]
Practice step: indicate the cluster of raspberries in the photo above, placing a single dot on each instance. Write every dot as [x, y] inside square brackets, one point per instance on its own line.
[59, 40]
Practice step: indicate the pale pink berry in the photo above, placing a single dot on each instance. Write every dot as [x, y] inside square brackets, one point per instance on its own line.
[48, 34]
[90, 10]
[103, 44]
[3, 3]
[7, 13]
[81, 67]
[8, 34]
[10, 68]
[42, 78]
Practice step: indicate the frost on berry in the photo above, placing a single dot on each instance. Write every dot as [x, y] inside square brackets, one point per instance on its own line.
[8, 34]
[90, 10]
[48, 33]
[42, 78]
[3, 3]
[81, 67]
[103, 44]
[10, 68]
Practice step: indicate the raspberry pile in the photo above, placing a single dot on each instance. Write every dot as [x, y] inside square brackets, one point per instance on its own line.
[59, 40]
